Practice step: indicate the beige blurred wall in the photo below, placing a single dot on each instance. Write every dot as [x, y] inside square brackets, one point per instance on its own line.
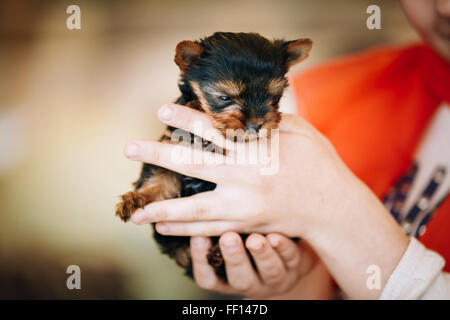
[70, 99]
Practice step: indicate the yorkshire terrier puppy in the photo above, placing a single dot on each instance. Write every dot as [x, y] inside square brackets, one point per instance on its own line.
[237, 79]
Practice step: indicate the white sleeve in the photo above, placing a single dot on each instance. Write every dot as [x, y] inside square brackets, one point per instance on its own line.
[418, 275]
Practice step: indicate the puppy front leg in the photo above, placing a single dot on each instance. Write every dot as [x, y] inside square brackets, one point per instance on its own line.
[155, 184]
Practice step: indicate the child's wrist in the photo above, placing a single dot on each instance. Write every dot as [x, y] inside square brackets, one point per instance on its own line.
[340, 207]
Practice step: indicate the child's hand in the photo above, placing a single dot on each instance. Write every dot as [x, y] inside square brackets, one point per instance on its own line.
[309, 186]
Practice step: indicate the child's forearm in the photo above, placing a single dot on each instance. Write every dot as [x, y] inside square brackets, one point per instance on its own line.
[359, 239]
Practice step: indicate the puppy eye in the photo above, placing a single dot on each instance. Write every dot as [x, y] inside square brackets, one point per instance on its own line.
[225, 98]
[277, 97]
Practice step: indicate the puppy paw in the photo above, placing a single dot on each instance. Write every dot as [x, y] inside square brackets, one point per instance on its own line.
[131, 201]
[216, 261]
[215, 258]
[182, 256]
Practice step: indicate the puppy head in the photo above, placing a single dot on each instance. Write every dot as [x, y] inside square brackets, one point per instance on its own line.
[239, 78]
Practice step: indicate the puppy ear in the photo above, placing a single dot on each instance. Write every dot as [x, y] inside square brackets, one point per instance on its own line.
[297, 51]
[187, 52]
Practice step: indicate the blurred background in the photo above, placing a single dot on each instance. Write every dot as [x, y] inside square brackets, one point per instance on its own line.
[69, 101]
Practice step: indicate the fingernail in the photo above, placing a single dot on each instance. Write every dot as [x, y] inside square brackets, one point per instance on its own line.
[161, 228]
[256, 245]
[199, 242]
[131, 150]
[166, 112]
[230, 243]
[138, 216]
[274, 241]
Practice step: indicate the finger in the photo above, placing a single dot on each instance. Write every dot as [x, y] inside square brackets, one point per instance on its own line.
[182, 159]
[193, 121]
[240, 273]
[204, 274]
[200, 207]
[287, 249]
[270, 266]
[207, 229]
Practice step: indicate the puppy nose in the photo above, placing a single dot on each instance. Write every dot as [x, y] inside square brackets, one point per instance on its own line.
[253, 126]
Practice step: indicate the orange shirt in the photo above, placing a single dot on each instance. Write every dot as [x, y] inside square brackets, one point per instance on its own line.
[374, 108]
